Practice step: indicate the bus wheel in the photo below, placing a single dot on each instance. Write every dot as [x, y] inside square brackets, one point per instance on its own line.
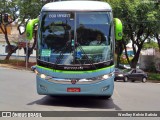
[104, 97]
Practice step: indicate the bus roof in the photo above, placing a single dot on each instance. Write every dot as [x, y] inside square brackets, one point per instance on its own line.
[77, 6]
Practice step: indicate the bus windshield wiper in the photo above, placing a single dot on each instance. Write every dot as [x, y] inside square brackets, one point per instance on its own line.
[67, 47]
[85, 55]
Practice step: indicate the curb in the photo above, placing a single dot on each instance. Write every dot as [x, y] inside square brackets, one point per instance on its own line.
[153, 81]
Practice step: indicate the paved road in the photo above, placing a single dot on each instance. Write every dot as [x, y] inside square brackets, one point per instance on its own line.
[18, 92]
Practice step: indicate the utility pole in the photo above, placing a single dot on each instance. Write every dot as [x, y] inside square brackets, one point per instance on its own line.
[26, 54]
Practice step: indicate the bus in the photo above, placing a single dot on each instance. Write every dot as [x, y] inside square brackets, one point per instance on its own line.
[69, 60]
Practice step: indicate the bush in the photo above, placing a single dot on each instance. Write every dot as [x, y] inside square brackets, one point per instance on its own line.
[154, 76]
[151, 67]
[123, 60]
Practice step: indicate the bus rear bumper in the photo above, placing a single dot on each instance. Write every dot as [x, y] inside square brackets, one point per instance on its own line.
[102, 88]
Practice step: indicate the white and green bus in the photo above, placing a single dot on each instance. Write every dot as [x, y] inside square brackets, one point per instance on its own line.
[68, 63]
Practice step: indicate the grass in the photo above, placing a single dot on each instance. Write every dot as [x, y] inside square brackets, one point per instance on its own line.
[154, 76]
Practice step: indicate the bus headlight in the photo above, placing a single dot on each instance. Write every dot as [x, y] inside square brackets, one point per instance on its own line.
[43, 76]
[107, 76]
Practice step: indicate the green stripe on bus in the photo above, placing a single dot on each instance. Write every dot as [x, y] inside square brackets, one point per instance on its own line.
[73, 72]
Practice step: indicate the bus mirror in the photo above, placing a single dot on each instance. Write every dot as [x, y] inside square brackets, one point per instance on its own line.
[21, 29]
[118, 29]
[30, 28]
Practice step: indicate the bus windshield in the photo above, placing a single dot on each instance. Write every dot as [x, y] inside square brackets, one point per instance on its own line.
[69, 38]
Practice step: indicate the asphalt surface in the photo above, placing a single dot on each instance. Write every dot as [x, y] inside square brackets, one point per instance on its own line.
[18, 93]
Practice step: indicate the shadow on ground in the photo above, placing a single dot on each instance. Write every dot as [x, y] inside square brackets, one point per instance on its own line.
[77, 102]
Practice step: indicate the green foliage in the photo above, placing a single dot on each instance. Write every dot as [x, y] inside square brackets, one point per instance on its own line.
[123, 60]
[10, 7]
[140, 19]
[31, 8]
[154, 76]
[151, 44]
[151, 67]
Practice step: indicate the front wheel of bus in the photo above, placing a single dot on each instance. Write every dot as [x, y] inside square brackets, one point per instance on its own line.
[104, 97]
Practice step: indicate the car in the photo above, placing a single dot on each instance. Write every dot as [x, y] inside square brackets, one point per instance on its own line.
[119, 75]
[121, 66]
[135, 74]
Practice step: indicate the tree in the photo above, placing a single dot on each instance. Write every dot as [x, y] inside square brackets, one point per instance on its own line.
[157, 31]
[157, 35]
[140, 19]
[8, 15]
[30, 9]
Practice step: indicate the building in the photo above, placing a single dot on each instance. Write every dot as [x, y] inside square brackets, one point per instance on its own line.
[150, 59]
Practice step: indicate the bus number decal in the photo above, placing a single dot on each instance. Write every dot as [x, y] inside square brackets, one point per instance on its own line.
[59, 15]
[46, 52]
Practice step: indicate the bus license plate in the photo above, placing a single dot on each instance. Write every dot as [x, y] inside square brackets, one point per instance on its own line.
[73, 90]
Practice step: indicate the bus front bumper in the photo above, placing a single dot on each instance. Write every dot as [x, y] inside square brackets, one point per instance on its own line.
[98, 88]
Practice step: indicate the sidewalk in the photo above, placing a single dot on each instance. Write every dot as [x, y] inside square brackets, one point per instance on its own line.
[15, 67]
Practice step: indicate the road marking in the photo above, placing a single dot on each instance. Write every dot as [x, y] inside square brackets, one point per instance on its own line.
[117, 93]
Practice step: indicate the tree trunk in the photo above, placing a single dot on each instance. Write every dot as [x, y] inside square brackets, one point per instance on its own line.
[136, 58]
[119, 51]
[158, 40]
[4, 30]
[11, 51]
[125, 48]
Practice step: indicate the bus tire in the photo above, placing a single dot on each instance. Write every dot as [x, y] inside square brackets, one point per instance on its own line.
[105, 97]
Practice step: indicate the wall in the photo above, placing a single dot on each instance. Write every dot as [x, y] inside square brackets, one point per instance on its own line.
[150, 61]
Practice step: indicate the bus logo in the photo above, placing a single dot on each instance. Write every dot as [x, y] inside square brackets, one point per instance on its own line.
[73, 68]
[73, 81]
